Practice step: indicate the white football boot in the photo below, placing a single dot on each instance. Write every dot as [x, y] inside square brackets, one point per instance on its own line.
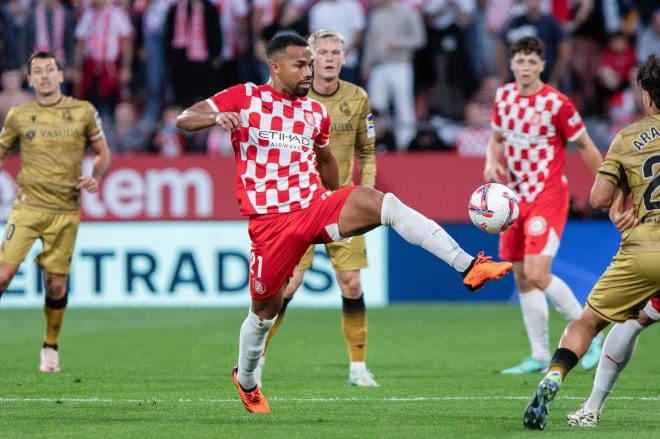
[362, 378]
[583, 418]
[50, 360]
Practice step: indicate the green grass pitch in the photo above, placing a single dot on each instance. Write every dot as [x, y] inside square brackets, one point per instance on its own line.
[166, 373]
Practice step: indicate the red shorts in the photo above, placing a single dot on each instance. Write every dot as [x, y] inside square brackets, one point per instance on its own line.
[279, 240]
[538, 228]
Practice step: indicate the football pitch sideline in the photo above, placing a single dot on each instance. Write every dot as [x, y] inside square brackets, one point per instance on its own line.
[166, 373]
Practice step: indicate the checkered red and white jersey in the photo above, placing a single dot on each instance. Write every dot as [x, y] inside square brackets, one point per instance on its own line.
[535, 130]
[274, 148]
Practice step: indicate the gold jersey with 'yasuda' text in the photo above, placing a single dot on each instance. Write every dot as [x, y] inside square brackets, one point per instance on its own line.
[52, 144]
[634, 157]
[351, 132]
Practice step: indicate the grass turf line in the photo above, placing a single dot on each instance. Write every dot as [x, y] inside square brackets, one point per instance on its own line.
[437, 366]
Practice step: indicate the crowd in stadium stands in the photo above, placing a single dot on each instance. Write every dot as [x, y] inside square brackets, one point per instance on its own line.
[431, 77]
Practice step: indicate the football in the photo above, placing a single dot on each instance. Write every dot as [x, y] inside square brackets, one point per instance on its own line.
[493, 207]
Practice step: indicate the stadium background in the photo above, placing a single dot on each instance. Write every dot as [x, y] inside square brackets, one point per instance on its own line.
[165, 228]
[164, 232]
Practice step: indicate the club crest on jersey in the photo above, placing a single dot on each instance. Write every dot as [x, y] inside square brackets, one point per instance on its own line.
[537, 226]
[259, 287]
[309, 118]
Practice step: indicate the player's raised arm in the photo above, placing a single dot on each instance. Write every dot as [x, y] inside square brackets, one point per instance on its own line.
[588, 151]
[493, 169]
[201, 115]
[326, 163]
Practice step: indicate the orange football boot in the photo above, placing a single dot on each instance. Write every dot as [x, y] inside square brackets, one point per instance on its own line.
[253, 400]
[483, 269]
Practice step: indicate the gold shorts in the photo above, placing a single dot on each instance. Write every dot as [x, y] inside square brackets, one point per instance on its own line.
[345, 256]
[628, 283]
[57, 232]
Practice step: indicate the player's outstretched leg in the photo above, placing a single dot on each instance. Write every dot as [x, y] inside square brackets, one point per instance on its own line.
[419, 230]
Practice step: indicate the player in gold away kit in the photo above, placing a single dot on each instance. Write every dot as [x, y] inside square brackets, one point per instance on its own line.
[351, 133]
[632, 164]
[53, 131]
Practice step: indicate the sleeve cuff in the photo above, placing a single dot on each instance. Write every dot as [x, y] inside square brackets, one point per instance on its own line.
[577, 135]
[212, 105]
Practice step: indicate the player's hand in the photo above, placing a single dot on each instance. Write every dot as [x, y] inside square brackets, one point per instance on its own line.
[229, 121]
[88, 183]
[623, 220]
[493, 171]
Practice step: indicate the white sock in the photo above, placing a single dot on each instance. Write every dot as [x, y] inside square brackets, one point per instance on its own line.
[618, 348]
[563, 299]
[357, 366]
[419, 230]
[535, 316]
[250, 347]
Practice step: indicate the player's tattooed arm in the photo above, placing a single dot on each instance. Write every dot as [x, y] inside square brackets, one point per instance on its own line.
[327, 166]
[494, 170]
[201, 115]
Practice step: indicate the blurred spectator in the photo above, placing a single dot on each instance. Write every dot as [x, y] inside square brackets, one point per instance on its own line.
[535, 23]
[49, 27]
[472, 139]
[454, 79]
[14, 14]
[12, 93]
[234, 27]
[290, 18]
[626, 106]
[347, 18]
[393, 34]
[126, 134]
[427, 140]
[104, 52]
[496, 14]
[571, 14]
[648, 42]
[153, 55]
[193, 41]
[617, 61]
[170, 141]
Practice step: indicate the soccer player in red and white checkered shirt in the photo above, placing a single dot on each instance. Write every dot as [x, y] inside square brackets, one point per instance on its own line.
[280, 139]
[532, 122]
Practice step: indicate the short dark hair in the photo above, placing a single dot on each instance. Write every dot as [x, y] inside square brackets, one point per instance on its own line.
[41, 55]
[283, 40]
[528, 45]
[648, 77]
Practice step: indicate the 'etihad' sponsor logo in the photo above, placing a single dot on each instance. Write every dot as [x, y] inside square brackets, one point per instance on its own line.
[278, 139]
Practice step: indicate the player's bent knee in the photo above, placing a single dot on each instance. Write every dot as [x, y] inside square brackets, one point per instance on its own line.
[56, 288]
